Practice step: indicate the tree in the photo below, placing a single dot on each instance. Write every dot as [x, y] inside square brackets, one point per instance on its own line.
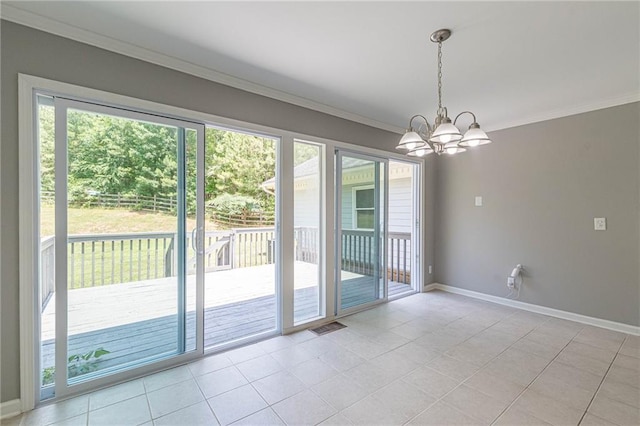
[114, 155]
[120, 156]
[238, 163]
[46, 134]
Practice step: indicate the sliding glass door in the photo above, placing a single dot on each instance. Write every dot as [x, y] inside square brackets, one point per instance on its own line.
[121, 233]
[361, 188]
[241, 243]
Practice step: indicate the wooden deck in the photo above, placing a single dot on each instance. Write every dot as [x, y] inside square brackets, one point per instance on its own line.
[238, 303]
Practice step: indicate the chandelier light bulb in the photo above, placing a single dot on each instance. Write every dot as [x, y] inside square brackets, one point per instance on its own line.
[445, 138]
[452, 150]
[473, 142]
[411, 145]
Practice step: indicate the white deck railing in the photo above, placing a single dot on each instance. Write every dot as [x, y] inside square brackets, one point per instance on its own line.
[104, 259]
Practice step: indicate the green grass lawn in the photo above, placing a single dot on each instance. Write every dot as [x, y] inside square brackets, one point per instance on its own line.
[112, 221]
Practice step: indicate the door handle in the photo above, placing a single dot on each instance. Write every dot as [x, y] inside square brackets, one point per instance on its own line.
[194, 238]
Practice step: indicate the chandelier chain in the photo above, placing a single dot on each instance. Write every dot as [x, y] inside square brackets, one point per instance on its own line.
[439, 76]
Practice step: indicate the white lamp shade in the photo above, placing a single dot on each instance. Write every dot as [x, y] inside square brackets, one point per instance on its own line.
[474, 137]
[420, 151]
[445, 133]
[410, 140]
[453, 148]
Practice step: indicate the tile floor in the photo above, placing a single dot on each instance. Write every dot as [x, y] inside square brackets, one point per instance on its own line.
[432, 359]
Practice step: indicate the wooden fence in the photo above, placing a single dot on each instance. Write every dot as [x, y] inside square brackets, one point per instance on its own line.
[133, 202]
[246, 220]
[161, 204]
[104, 259]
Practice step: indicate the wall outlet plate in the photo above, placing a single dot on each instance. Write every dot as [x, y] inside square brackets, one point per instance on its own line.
[478, 201]
[600, 223]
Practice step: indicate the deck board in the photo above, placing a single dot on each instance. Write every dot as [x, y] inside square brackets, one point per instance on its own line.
[251, 314]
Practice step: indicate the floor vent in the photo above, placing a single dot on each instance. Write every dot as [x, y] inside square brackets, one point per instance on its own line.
[328, 328]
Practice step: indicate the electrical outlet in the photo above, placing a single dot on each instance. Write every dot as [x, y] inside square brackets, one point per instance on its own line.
[600, 223]
[430, 269]
[478, 201]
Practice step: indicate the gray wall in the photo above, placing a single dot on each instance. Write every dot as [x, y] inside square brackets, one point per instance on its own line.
[542, 186]
[29, 51]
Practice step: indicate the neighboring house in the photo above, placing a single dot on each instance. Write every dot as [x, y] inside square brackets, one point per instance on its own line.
[357, 184]
[357, 212]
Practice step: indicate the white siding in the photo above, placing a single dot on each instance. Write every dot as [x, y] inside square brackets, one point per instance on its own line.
[400, 205]
[400, 213]
[307, 206]
[347, 206]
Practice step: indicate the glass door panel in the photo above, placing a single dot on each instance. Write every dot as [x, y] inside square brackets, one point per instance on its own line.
[240, 245]
[307, 217]
[360, 241]
[125, 205]
[402, 269]
[47, 258]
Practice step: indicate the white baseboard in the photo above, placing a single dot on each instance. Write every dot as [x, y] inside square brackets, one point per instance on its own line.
[430, 287]
[597, 322]
[10, 408]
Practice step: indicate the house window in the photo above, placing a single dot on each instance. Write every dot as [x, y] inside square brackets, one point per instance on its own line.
[364, 199]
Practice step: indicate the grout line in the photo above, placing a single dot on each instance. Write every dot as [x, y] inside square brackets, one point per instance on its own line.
[533, 380]
[421, 365]
[89, 409]
[146, 397]
[586, 410]
[479, 369]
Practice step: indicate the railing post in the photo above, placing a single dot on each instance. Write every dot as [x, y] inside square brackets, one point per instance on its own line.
[168, 259]
[47, 280]
[232, 245]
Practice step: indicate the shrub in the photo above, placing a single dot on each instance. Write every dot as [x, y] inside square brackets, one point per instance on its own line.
[233, 205]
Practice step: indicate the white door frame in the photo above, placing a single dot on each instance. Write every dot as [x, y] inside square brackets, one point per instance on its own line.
[62, 105]
[382, 253]
[29, 202]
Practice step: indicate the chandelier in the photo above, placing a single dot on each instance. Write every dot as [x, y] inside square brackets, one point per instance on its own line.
[443, 136]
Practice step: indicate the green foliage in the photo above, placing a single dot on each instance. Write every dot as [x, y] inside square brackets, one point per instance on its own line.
[303, 152]
[112, 155]
[47, 136]
[77, 364]
[233, 205]
[238, 164]
[48, 375]
[119, 156]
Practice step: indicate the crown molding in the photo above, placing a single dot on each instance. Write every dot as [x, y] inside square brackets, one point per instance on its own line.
[626, 98]
[23, 17]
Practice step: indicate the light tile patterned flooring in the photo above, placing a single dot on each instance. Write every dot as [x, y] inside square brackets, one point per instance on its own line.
[431, 359]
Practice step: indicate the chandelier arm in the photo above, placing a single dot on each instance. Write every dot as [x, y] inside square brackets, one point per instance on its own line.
[465, 112]
[425, 121]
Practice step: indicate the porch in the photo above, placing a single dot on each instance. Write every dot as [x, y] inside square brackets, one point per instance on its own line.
[137, 320]
[123, 293]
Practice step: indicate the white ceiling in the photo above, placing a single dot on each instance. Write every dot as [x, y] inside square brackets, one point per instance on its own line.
[510, 63]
